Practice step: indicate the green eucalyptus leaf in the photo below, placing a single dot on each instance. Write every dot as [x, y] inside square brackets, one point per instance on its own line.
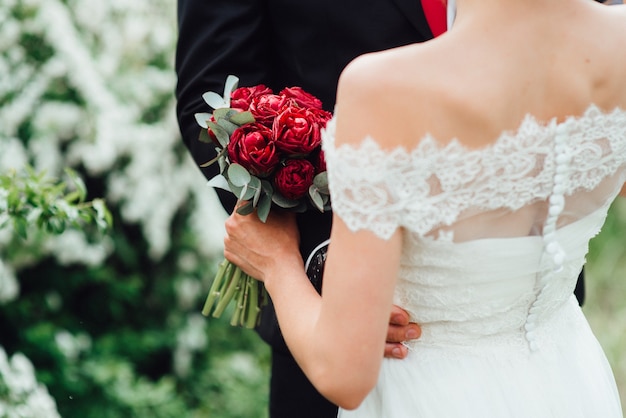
[238, 175]
[284, 202]
[220, 133]
[236, 190]
[267, 187]
[215, 100]
[221, 162]
[231, 84]
[224, 113]
[247, 192]
[263, 207]
[219, 182]
[242, 118]
[228, 126]
[204, 136]
[316, 198]
[202, 119]
[321, 182]
[245, 209]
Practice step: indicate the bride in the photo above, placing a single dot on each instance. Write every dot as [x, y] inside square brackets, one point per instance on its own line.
[467, 176]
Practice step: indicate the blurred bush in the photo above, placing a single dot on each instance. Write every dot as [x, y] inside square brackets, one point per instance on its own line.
[111, 324]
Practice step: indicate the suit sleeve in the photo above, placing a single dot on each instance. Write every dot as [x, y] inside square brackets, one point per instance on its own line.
[216, 38]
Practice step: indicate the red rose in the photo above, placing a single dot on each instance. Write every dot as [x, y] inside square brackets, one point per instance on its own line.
[297, 131]
[319, 162]
[242, 97]
[266, 107]
[322, 115]
[302, 98]
[294, 178]
[252, 147]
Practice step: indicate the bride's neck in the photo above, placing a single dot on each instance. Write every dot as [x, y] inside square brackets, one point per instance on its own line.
[511, 11]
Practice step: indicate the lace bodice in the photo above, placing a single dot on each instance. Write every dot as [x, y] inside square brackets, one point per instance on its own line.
[494, 237]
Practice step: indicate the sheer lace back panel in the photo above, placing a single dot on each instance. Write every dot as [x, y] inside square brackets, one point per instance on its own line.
[494, 237]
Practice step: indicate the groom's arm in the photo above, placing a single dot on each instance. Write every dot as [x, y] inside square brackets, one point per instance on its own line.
[216, 38]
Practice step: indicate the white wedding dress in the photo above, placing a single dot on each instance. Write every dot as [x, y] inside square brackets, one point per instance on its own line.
[494, 241]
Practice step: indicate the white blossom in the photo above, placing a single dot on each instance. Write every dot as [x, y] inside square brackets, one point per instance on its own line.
[9, 286]
[24, 397]
[191, 338]
[72, 345]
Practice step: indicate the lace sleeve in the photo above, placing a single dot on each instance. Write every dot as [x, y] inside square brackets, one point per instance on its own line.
[369, 187]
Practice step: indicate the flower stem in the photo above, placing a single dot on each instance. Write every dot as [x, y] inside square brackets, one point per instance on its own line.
[214, 292]
[230, 292]
[252, 314]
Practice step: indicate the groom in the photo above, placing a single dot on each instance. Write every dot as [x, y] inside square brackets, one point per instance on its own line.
[283, 43]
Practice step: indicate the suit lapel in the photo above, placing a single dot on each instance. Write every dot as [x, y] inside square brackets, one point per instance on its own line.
[413, 11]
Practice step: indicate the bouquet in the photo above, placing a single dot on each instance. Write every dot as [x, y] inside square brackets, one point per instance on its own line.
[269, 154]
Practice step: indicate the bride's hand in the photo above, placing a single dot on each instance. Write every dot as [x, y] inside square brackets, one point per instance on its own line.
[258, 248]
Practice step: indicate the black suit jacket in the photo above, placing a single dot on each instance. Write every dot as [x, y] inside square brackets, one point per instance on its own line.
[281, 43]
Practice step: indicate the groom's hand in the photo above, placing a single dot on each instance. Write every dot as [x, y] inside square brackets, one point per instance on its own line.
[400, 329]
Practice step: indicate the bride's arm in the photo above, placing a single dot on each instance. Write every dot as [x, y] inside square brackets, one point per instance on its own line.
[338, 340]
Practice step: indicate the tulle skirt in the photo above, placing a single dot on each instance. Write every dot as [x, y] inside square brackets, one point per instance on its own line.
[568, 376]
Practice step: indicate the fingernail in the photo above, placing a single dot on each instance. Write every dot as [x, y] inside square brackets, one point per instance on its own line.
[397, 352]
[411, 334]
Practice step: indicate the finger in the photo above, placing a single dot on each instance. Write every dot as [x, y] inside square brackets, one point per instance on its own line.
[399, 333]
[398, 316]
[396, 351]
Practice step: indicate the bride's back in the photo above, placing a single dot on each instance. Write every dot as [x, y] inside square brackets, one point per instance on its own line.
[509, 74]
[551, 59]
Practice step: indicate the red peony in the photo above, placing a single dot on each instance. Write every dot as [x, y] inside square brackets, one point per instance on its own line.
[302, 98]
[266, 107]
[322, 115]
[294, 178]
[242, 97]
[297, 131]
[252, 147]
[319, 162]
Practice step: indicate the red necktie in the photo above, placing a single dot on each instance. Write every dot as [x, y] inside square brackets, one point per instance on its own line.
[435, 12]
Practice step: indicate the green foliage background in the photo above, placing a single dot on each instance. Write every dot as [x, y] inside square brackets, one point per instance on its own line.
[120, 335]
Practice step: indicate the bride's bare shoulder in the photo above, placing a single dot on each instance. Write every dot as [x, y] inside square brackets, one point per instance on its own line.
[399, 95]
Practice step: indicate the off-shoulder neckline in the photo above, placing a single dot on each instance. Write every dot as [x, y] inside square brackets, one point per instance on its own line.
[529, 122]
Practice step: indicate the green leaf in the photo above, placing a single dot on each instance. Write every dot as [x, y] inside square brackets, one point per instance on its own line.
[104, 218]
[267, 187]
[219, 182]
[264, 206]
[238, 175]
[316, 198]
[220, 133]
[78, 183]
[283, 202]
[246, 193]
[245, 209]
[215, 100]
[228, 126]
[204, 136]
[242, 118]
[230, 86]
[224, 113]
[202, 119]
[321, 182]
